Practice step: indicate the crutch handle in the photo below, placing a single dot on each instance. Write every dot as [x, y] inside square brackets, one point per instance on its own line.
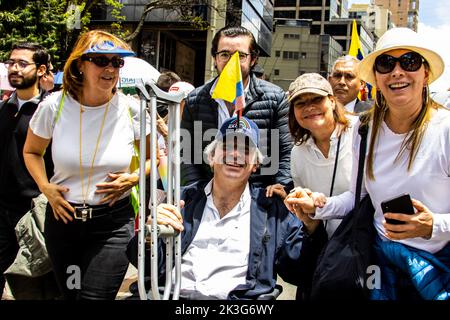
[162, 231]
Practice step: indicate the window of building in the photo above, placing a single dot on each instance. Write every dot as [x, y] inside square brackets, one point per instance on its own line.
[316, 15]
[285, 3]
[276, 72]
[291, 36]
[290, 55]
[286, 14]
[277, 53]
[303, 55]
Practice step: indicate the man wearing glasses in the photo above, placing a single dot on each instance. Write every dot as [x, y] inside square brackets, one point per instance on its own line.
[265, 103]
[346, 84]
[26, 64]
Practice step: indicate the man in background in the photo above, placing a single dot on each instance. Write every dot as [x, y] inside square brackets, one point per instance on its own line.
[346, 84]
[27, 63]
[265, 103]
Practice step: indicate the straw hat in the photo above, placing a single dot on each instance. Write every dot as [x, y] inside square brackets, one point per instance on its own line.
[401, 38]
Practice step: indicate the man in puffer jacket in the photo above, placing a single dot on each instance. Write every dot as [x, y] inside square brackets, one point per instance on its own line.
[265, 103]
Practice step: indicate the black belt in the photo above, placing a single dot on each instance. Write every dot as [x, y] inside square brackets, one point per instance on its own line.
[85, 212]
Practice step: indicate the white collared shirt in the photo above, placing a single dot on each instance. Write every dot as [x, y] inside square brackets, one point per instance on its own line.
[223, 113]
[217, 259]
[350, 107]
[311, 169]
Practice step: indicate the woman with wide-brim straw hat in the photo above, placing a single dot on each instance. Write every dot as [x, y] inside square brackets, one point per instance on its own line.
[408, 152]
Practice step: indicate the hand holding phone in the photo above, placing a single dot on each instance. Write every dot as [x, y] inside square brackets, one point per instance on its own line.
[399, 204]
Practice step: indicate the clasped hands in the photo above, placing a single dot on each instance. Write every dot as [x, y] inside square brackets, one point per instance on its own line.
[303, 203]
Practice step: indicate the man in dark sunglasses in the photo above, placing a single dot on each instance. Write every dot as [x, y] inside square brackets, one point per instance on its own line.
[26, 64]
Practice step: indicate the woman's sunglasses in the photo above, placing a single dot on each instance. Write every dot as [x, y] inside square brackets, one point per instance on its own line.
[103, 61]
[410, 61]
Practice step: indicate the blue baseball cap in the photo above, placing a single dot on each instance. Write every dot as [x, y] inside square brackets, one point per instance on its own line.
[108, 46]
[245, 127]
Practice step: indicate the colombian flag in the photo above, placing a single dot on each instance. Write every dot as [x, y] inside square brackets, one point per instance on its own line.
[357, 52]
[230, 87]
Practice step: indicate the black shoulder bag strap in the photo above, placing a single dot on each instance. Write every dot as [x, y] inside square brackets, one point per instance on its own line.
[335, 165]
[362, 130]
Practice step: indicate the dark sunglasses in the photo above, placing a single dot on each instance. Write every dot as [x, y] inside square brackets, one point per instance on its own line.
[103, 61]
[410, 61]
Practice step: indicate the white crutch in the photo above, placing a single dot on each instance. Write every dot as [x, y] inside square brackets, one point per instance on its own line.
[153, 232]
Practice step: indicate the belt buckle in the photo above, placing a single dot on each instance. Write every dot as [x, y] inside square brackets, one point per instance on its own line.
[82, 213]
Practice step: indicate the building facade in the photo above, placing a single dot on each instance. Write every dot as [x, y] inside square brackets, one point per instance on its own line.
[169, 43]
[296, 51]
[377, 19]
[405, 13]
[329, 17]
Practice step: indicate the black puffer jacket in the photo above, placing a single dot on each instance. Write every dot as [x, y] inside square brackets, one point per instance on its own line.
[266, 104]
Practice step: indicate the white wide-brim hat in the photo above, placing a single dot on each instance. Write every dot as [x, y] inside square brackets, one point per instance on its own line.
[401, 38]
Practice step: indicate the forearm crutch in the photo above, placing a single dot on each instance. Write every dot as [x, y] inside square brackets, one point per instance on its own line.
[153, 232]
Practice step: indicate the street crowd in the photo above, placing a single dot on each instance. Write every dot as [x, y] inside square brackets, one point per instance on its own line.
[277, 186]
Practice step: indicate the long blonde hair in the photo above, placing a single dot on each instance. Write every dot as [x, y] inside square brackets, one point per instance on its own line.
[412, 139]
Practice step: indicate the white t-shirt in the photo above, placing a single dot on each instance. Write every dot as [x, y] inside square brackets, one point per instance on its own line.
[428, 180]
[115, 148]
[310, 169]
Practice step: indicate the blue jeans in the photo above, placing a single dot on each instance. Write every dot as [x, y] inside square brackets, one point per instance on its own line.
[89, 258]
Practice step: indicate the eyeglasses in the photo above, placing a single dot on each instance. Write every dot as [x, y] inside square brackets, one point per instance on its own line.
[410, 61]
[226, 55]
[103, 61]
[22, 64]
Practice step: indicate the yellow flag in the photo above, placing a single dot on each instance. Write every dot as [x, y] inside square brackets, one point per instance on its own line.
[355, 45]
[230, 86]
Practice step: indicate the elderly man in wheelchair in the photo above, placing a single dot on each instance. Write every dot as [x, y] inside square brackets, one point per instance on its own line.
[234, 239]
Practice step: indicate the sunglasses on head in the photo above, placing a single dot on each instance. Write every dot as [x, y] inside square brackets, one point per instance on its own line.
[410, 61]
[103, 61]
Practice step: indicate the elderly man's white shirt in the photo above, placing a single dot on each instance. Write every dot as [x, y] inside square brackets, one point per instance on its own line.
[217, 259]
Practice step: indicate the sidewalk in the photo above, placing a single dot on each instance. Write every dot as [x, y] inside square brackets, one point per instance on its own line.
[131, 276]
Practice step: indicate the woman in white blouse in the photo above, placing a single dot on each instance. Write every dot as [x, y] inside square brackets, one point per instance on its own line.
[321, 159]
[408, 152]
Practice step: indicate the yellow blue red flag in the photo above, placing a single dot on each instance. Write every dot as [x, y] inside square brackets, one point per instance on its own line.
[357, 52]
[230, 86]
[355, 45]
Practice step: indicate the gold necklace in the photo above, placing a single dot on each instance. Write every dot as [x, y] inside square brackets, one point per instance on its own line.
[83, 193]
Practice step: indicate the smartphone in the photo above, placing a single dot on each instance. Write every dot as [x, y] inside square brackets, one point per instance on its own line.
[399, 204]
